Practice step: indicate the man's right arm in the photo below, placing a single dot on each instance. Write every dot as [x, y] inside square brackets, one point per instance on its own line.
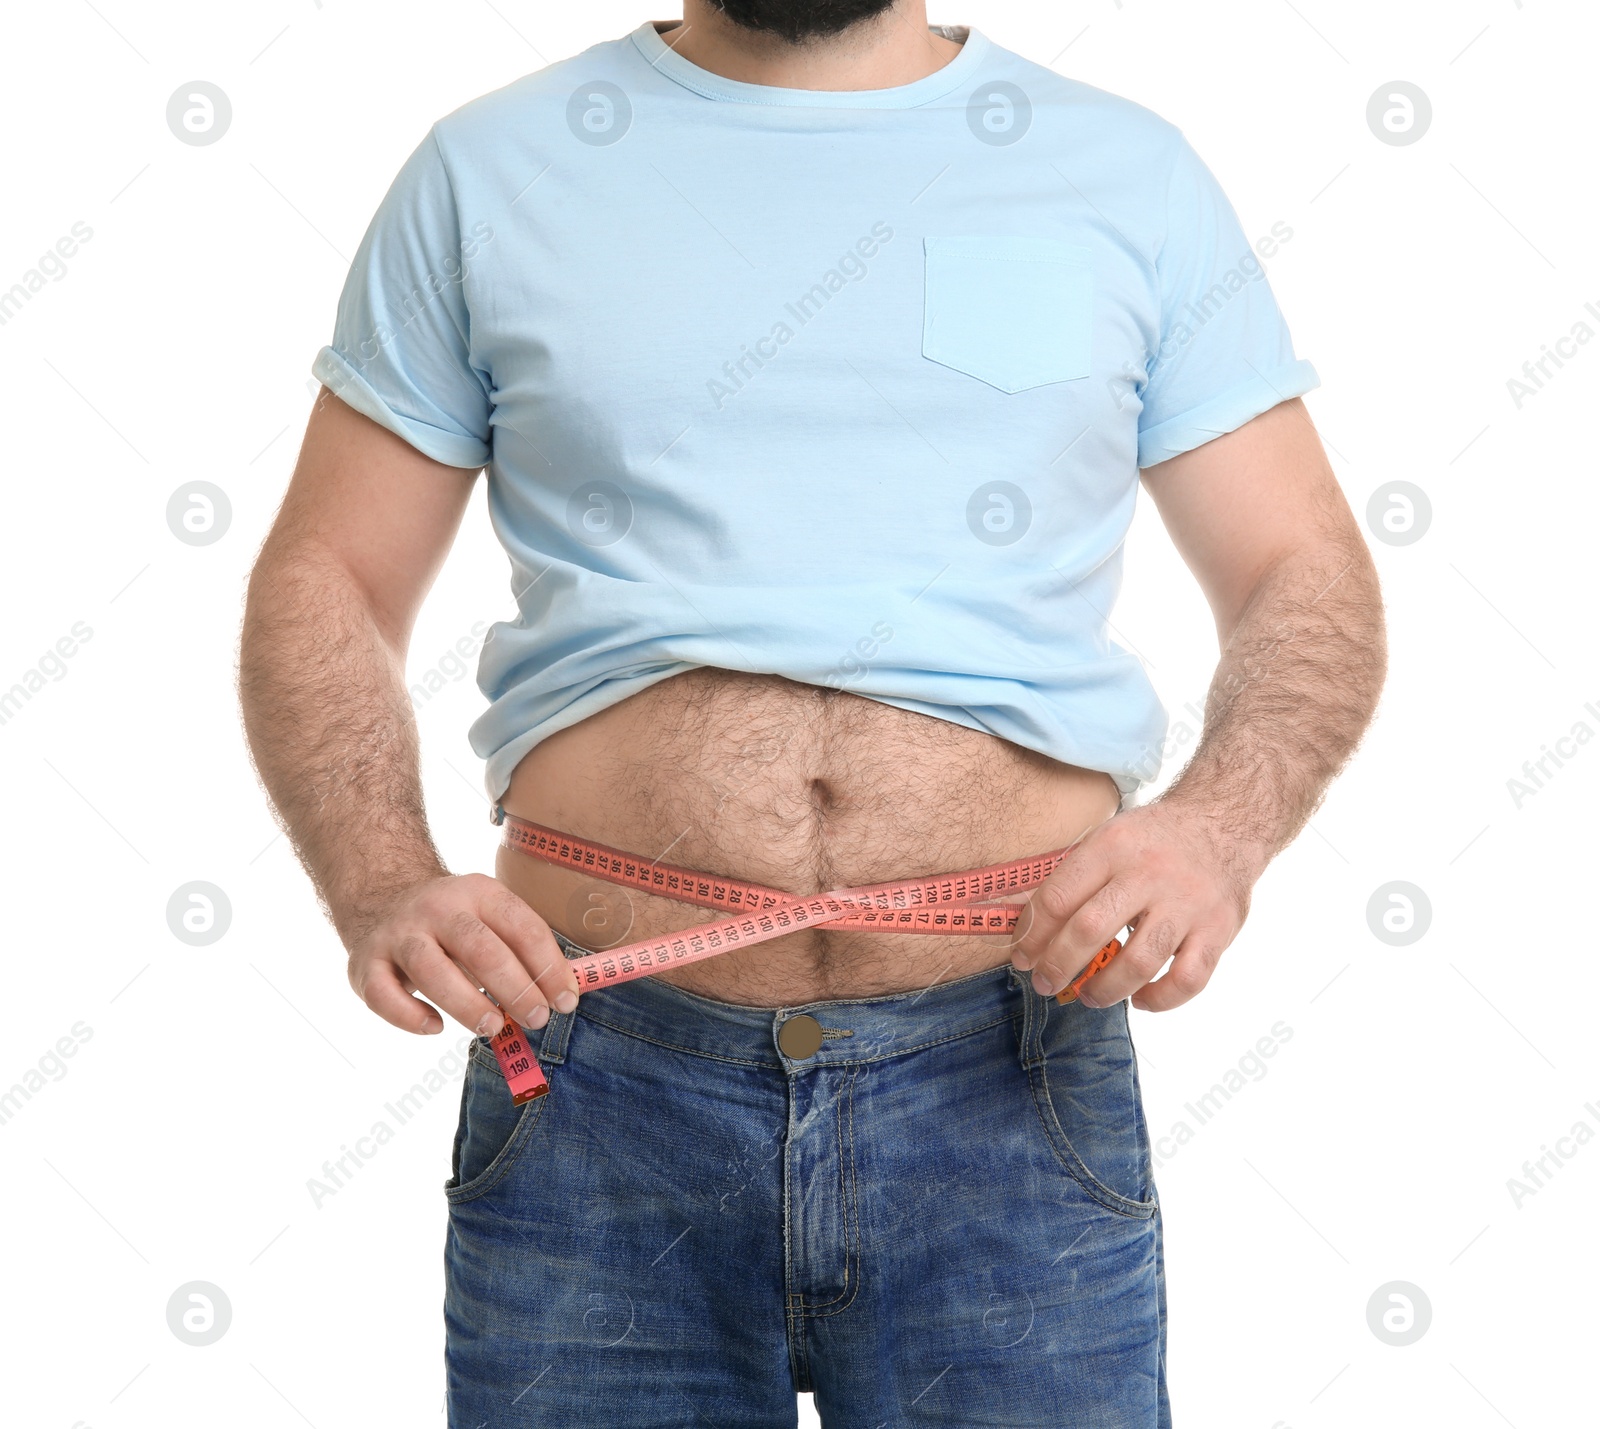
[365, 526]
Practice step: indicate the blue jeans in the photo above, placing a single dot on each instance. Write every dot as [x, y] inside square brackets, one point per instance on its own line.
[942, 1216]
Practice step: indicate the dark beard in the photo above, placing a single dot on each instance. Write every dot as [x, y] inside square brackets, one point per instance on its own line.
[801, 20]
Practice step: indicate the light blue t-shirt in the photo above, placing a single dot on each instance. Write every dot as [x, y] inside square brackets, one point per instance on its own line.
[852, 387]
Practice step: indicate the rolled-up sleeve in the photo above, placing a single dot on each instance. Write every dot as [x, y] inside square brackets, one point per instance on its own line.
[401, 348]
[1225, 354]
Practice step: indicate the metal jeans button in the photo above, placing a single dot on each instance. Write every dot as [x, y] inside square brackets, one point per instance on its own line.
[800, 1037]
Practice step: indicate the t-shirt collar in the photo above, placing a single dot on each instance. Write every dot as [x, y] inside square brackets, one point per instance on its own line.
[665, 60]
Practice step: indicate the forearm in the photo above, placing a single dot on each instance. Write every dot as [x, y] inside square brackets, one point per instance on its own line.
[332, 733]
[1294, 690]
[1259, 518]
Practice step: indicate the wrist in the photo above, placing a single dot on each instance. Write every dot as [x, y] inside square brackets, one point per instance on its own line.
[360, 905]
[1237, 837]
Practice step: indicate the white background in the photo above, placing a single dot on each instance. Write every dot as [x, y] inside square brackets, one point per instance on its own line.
[178, 1143]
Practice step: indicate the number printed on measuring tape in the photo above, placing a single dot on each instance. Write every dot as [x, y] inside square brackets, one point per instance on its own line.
[941, 905]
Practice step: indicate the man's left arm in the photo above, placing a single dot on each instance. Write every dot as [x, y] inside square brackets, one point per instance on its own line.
[1261, 522]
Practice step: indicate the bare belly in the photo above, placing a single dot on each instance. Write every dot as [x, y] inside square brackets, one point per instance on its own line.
[803, 789]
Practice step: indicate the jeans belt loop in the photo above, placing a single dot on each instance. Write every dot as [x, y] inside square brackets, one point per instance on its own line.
[1035, 1010]
[553, 1045]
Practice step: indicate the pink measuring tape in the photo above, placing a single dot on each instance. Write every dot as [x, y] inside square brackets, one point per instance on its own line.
[944, 904]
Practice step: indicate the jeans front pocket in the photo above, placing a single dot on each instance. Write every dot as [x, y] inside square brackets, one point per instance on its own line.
[1086, 1091]
[1011, 310]
[491, 1132]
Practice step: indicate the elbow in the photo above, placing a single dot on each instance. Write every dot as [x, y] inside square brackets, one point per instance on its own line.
[265, 599]
[1364, 620]
[1372, 618]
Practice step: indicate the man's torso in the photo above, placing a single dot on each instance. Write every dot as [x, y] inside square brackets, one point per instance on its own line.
[765, 377]
[800, 788]
[813, 423]
[807, 786]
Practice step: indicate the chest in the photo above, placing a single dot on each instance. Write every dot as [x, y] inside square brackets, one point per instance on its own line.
[909, 305]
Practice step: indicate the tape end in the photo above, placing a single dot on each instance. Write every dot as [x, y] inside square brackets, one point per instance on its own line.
[1070, 992]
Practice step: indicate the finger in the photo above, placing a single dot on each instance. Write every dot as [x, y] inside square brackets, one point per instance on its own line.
[1075, 880]
[1097, 963]
[1105, 914]
[386, 991]
[482, 954]
[530, 940]
[1155, 938]
[1190, 971]
[441, 979]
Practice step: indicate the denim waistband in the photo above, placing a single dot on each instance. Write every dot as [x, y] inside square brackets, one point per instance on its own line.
[854, 1030]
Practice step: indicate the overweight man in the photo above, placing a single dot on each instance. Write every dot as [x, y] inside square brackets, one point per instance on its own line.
[815, 356]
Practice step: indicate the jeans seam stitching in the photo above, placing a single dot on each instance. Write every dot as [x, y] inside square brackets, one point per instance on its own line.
[794, 1321]
[820, 1309]
[1120, 1205]
[553, 1045]
[808, 1307]
[504, 1159]
[923, 1046]
[852, 1218]
[779, 1066]
[676, 1047]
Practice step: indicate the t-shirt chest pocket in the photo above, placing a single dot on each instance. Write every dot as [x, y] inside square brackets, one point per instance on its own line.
[1013, 311]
